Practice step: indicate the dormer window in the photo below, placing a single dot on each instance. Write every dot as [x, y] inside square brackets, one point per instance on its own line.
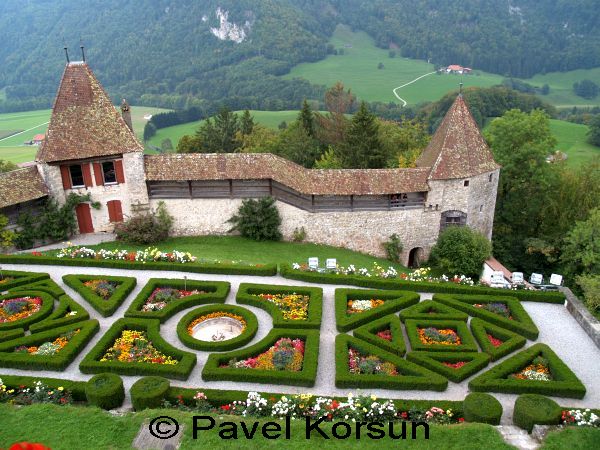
[109, 173]
[76, 173]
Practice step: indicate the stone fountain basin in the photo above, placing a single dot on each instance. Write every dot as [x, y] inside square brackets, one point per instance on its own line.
[227, 326]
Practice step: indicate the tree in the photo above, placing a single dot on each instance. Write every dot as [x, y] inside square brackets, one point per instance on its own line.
[328, 160]
[258, 220]
[189, 144]
[332, 127]
[403, 141]
[392, 53]
[149, 131]
[218, 134]
[307, 119]
[594, 131]
[581, 253]
[295, 144]
[545, 89]
[7, 237]
[362, 148]
[586, 89]
[461, 251]
[590, 285]
[166, 145]
[380, 66]
[7, 166]
[246, 123]
[261, 140]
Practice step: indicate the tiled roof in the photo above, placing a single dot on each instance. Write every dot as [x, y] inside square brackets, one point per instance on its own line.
[21, 185]
[457, 149]
[248, 166]
[84, 122]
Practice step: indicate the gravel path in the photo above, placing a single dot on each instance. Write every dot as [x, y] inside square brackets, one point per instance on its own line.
[557, 328]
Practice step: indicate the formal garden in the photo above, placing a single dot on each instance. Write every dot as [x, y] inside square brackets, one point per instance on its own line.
[141, 329]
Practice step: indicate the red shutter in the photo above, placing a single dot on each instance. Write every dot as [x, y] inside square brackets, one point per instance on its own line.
[115, 213]
[98, 174]
[119, 171]
[87, 175]
[66, 177]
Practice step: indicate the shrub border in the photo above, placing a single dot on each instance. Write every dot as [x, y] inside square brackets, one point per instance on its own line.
[21, 278]
[180, 371]
[238, 341]
[264, 270]
[420, 378]
[415, 312]
[511, 340]
[246, 296]
[46, 285]
[527, 413]
[567, 384]
[217, 293]
[45, 309]
[104, 307]
[59, 361]
[77, 388]
[394, 301]
[12, 334]
[58, 319]
[433, 361]
[368, 333]
[468, 342]
[306, 377]
[286, 271]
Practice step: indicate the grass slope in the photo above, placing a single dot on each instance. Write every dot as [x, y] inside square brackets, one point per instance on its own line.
[561, 87]
[572, 140]
[14, 150]
[228, 248]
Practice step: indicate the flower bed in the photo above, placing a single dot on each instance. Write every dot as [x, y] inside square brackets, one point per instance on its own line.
[13, 278]
[456, 366]
[386, 302]
[146, 255]
[494, 340]
[498, 379]
[385, 333]
[38, 393]
[518, 320]
[46, 285]
[104, 293]
[580, 418]
[67, 312]
[108, 357]
[290, 306]
[21, 309]
[538, 370]
[440, 335]
[187, 323]
[284, 356]
[49, 348]
[18, 383]
[359, 364]
[161, 298]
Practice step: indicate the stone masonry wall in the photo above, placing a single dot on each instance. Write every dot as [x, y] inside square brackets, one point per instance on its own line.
[482, 202]
[53, 179]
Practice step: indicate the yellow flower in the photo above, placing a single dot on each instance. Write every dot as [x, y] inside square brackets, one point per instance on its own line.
[60, 388]
[373, 397]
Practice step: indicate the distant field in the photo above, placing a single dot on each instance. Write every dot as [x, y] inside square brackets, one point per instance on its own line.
[269, 119]
[571, 139]
[357, 69]
[13, 149]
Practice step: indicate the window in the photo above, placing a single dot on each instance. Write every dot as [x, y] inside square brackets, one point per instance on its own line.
[108, 172]
[491, 177]
[480, 208]
[466, 183]
[452, 218]
[76, 173]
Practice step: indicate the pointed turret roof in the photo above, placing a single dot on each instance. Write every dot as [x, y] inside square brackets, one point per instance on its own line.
[457, 149]
[84, 122]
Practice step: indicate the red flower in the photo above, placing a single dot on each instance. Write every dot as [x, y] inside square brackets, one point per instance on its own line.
[225, 407]
[404, 415]
[28, 446]
[461, 419]
[180, 399]
[329, 416]
[63, 400]
[335, 405]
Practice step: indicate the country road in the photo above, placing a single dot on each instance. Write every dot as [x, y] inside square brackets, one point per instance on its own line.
[406, 84]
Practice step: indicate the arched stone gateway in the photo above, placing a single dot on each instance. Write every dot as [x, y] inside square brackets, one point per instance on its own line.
[415, 257]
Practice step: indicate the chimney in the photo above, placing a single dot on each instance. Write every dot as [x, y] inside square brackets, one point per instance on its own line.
[126, 113]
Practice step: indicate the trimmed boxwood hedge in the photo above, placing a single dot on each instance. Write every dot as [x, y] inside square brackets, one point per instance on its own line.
[105, 391]
[434, 361]
[564, 384]
[20, 278]
[247, 292]
[482, 408]
[287, 271]
[104, 307]
[9, 335]
[230, 344]
[77, 388]
[263, 270]
[44, 311]
[411, 376]
[59, 317]
[467, 342]
[443, 312]
[305, 377]
[368, 333]
[59, 361]
[181, 371]
[149, 392]
[46, 285]
[393, 302]
[216, 292]
[510, 341]
[533, 409]
[521, 322]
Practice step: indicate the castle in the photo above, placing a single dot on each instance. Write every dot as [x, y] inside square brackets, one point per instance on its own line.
[91, 148]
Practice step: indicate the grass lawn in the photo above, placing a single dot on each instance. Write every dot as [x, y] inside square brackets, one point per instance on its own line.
[573, 438]
[561, 87]
[572, 140]
[236, 248]
[70, 427]
[13, 149]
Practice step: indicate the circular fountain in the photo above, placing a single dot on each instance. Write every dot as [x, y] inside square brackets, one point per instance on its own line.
[218, 329]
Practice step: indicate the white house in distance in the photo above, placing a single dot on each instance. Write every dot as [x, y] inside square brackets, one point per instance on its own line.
[456, 69]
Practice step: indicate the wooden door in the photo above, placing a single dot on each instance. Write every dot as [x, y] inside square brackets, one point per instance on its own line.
[84, 218]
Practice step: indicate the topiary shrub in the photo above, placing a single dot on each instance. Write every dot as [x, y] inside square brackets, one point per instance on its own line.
[149, 392]
[105, 390]
[535, 409]
[146, 228]
[461, 250]
[258, 220]
[482, 408]
[393, 248]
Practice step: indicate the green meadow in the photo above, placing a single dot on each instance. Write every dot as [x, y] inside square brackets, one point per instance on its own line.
[561, 87]
[572, 140]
